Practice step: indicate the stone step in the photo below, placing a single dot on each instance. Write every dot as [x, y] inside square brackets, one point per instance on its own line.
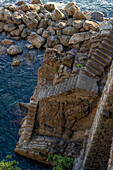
[109, 39]
[108, 45]
[31, 110]
[26, 137]
[94, 70]
[110, 36]
[111, 31]
[30, 118]
[26, 133]
[32, 106]
[94, 58]
[95, 65]
[29, 122]
[31, 114]
[29, 129]
[104, 56]
[106, 51]
[29, 126]
[33, 102]
[89, 72]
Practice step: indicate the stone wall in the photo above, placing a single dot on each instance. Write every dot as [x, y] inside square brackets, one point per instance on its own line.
[98, 146]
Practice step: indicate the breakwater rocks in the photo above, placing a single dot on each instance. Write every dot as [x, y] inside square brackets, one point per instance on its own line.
[78, 53]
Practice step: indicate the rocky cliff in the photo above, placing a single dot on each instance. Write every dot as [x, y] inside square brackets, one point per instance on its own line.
[78, 53]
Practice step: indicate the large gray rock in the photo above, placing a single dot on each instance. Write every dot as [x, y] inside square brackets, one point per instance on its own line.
[69, 30]
[78, 24]
[14, 50]
[78, 15]
[79, 37]
[32, 24]
[7, 14]
[71, 8]
[64, 40]
[52, 41]
[105, 25]
[90, 25]
[86, 83]
[36, 40]
[17, 18]
[9, 27]
[57, 14]
[98, 16]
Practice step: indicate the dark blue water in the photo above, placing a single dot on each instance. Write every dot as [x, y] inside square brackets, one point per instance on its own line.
[16, 85]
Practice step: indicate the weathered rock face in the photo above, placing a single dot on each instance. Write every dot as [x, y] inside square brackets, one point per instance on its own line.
[36, 40]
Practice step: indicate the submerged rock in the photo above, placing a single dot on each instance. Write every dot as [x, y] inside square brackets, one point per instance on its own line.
[7, 42]
[2, 49]
[14, 50]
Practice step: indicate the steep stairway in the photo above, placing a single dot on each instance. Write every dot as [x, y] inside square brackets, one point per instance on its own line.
[30, 120]
[101, 57]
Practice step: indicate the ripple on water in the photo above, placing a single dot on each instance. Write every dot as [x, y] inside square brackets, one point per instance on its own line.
[16, 85]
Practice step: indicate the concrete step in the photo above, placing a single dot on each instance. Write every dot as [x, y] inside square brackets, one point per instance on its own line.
[31, 114]
[110, 41]
[26, 137]
[26, 133]
[94, 58]
[95, 65]
[29, 122]
[89, 72]
[31, 110]
[33, 102]
[30, 118]
[29, 126]
[32, 106]
[94, 70]
[106, 57]
[108, 45]
[29, 129]
[106, 51]
[101, 58]
[110, 35]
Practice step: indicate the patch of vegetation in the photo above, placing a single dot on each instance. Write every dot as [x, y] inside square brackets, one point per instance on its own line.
[60, 162]
[79, 65]
[56, 69]
[7, 164]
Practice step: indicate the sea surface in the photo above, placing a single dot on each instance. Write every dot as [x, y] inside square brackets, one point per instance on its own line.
[17, 85]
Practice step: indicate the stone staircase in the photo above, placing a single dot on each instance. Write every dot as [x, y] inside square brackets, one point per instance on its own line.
[50, 90]
[30, 120]
[101, 57]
